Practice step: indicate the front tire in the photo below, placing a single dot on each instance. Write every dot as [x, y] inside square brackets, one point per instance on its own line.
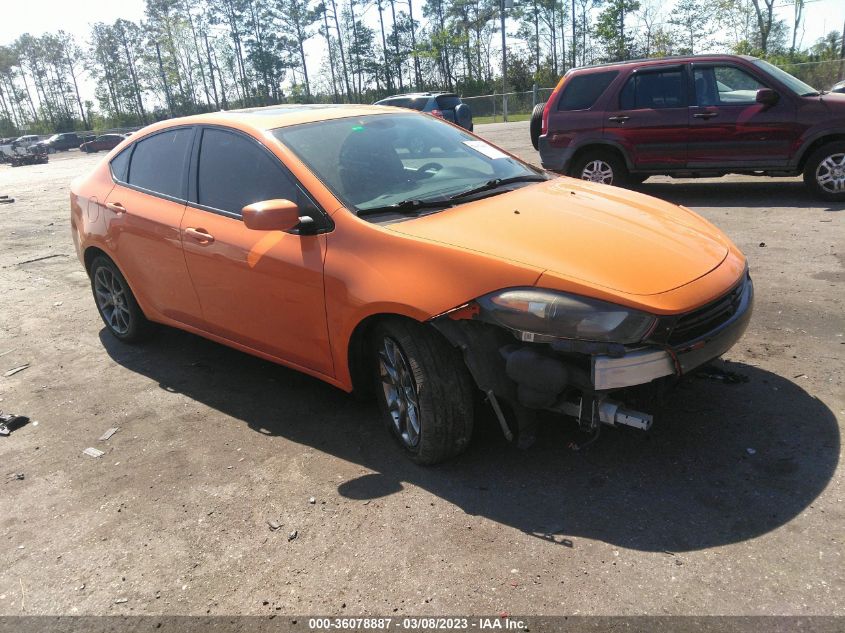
[601, 166]
[424, 390]
[824, 172]
[116, 304]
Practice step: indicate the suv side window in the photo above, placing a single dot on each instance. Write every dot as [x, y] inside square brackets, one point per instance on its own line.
[158, 162]
[724, 85]
[234, 171]
[653, 90]
[582, 91]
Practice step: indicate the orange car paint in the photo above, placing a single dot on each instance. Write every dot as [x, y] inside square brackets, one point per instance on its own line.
[297, 300]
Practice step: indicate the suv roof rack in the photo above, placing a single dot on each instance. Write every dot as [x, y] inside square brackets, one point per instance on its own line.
[676, 58]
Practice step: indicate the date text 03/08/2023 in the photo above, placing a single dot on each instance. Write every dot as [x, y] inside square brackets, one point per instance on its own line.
[416, 624]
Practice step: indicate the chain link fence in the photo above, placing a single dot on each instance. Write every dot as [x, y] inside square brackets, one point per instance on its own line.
[820, 75]
[517, 106]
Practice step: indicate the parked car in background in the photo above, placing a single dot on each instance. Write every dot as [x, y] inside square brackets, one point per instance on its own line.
[696, 116]
[839, 87]
[313, 237]
[60, 142]
[22, 152]
[26, 140]
[446, 105]
[104, 142]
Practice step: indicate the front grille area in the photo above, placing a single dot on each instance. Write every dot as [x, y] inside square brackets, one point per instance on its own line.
[699, 322]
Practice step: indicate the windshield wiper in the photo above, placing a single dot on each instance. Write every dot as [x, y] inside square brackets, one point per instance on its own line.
[410, 206]
[496, 183]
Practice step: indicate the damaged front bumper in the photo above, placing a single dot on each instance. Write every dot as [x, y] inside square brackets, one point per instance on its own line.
[553, 376]
[642, 366]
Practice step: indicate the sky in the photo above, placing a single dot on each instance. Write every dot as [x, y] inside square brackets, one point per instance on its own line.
[76, 16]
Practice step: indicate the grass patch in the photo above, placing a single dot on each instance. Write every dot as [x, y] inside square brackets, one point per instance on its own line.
[498, 118]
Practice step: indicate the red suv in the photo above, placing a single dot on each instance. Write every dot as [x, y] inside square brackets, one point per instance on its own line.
[692, 116]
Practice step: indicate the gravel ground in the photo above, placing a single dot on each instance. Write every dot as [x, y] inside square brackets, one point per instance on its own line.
[732, 504]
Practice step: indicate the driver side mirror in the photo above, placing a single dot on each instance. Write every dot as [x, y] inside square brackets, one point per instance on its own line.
[767, 96]
[272, 215]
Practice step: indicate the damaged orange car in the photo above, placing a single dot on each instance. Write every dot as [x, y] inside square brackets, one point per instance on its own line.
[323, 238]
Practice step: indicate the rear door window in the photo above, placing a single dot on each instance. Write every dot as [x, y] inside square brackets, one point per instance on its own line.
[158, 163]
[582, 91]
[234, 171]
[653, 90]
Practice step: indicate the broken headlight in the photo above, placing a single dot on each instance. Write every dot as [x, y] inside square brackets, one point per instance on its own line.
[538, 315]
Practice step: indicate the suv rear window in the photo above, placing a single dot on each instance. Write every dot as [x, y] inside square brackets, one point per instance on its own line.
[413, 104]
[448, 102]
[582, 91]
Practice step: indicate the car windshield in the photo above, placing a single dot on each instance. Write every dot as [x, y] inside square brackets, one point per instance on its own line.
[793, 83]
[379, 160]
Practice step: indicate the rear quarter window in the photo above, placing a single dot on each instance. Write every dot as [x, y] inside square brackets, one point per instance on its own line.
[120, 165]
[582, 91]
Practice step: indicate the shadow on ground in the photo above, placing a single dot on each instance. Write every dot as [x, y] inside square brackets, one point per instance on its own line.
[727, 193]
[723, 463]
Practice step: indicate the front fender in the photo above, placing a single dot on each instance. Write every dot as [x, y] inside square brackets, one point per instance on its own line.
[371, 270]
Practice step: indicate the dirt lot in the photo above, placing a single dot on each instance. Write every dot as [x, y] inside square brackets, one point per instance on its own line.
[732, 504]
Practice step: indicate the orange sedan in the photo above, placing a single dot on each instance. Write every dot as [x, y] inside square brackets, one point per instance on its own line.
[322, 238]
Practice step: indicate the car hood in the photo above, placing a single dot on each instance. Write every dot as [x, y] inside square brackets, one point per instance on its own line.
[604, 236]
[834, 101]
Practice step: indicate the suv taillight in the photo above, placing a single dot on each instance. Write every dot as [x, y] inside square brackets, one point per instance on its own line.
[548, 108]
[437, 113]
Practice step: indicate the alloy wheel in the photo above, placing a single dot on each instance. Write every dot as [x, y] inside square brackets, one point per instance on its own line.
[112, 300]
[598, 171]
[400, 392]
[830, 174]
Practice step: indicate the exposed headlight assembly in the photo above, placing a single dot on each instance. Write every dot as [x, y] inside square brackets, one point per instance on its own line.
[545, 315]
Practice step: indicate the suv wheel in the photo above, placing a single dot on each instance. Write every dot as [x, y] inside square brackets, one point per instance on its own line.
[601, 166]
[536, 126]
[424, 390]
[824, 172]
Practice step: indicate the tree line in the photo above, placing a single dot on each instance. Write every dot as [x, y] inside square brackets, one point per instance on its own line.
[190, 56]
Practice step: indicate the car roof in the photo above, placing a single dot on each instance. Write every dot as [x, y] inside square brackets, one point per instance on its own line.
[272, 117]
[656, 61]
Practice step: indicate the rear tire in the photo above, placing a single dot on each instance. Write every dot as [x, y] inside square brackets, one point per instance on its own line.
[116, 304]
[601, 166]
[536, 126]
[424, 390]
[824, 172]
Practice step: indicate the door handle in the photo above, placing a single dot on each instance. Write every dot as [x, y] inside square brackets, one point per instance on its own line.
[116, 207]
[200, 235]
[705, 115]
[619, 118]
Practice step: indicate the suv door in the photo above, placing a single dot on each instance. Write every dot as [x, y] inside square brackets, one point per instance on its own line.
[649, 118]
[260, 289]
[728, 128]
[144, 211]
